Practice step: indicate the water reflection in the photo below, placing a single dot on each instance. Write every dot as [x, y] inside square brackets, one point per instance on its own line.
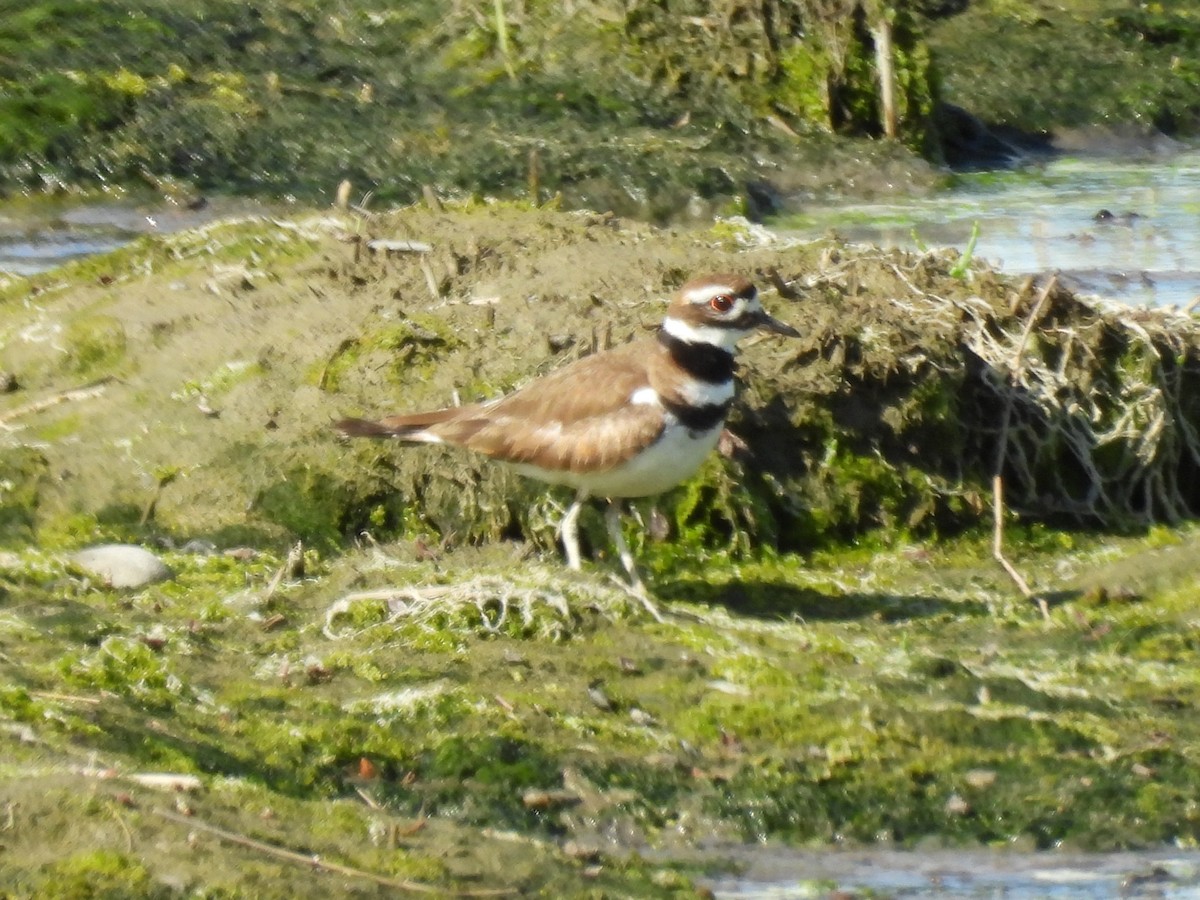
[38, 250]
[1146, 250]
[916, 875]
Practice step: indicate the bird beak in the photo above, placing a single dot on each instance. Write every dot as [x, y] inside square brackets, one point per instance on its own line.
[772, 324]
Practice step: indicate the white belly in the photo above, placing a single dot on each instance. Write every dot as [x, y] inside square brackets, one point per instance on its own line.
[670, 460]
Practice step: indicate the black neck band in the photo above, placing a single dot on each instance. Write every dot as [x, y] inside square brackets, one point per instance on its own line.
[697, 419]
[703, 362]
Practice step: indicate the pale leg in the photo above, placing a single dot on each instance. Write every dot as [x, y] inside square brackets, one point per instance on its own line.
[568, 529]
[612, 518]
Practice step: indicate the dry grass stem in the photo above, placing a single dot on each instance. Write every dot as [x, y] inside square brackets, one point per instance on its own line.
[319, 864]
[496, 600]
[93, 389]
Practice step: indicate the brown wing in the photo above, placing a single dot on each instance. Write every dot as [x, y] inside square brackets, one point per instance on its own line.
[593, 386]
[576, 418]
[591, 444]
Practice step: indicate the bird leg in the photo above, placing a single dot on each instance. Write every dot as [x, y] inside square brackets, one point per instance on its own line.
[568, 529]
[612, 519]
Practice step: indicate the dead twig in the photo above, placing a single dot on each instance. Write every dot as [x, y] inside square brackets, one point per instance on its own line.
[367, 798]
[65, 698]
[1014, 378]
[346, 344]
[290, 566]
[116, 814]
[162, 480]
[84, 392]
[431, 281]
[305, 859]
[782, 288]
[432, 200]
[998, 540]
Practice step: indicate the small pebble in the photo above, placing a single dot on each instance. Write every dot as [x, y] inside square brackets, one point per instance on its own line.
[122, 565]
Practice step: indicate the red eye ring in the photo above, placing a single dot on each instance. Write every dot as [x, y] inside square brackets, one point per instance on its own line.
[721, 303]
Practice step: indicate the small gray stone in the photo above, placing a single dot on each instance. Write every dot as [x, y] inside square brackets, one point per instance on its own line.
[122, 565]
[200, 547]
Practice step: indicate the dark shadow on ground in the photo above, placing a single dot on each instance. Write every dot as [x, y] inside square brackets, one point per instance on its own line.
[781, 600]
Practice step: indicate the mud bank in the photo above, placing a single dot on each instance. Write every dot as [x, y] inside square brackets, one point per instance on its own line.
[422, 694]
[188, 382]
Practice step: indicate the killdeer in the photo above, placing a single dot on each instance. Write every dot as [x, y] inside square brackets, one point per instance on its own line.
[632, 421]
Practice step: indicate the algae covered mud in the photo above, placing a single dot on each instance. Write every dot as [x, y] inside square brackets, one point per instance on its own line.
[419, 696]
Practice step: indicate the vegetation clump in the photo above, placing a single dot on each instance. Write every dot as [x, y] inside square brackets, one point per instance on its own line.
[603, 104]
[1039, 74]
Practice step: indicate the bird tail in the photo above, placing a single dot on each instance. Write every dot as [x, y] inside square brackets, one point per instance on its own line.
[414, 428]
[367, 428]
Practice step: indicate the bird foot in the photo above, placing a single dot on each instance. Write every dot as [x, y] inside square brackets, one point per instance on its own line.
[638, 592]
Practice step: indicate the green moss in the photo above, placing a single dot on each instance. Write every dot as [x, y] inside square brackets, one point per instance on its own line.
[165, 95]
[61, 427]
[98, 875]
[408, 348]
[219, 382]
[803, 84]
[909, 686]
[125, 666]
[23, 474]
[856, 492]
[18, 705]
[310, 503]
[1008, 84]
[256, 244]
[782, 696]
[485, 776]
[730, 233]
[95, 345]
[72, 530]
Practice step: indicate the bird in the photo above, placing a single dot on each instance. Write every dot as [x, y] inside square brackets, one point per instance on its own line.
[631, 421]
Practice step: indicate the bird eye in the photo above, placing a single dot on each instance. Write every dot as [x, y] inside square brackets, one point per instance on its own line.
[721, 303]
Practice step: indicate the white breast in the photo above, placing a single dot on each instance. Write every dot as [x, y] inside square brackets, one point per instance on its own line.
[673, 458]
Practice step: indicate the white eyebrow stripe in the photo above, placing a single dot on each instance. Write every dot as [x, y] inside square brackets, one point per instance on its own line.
[704, 293]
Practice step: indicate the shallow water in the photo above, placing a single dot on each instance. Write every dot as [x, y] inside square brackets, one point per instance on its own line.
[790, 875]
[1029, 222]
[1045, 220]
[36, 239]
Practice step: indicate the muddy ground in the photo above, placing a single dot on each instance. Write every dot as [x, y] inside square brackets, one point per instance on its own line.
[425, 695]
